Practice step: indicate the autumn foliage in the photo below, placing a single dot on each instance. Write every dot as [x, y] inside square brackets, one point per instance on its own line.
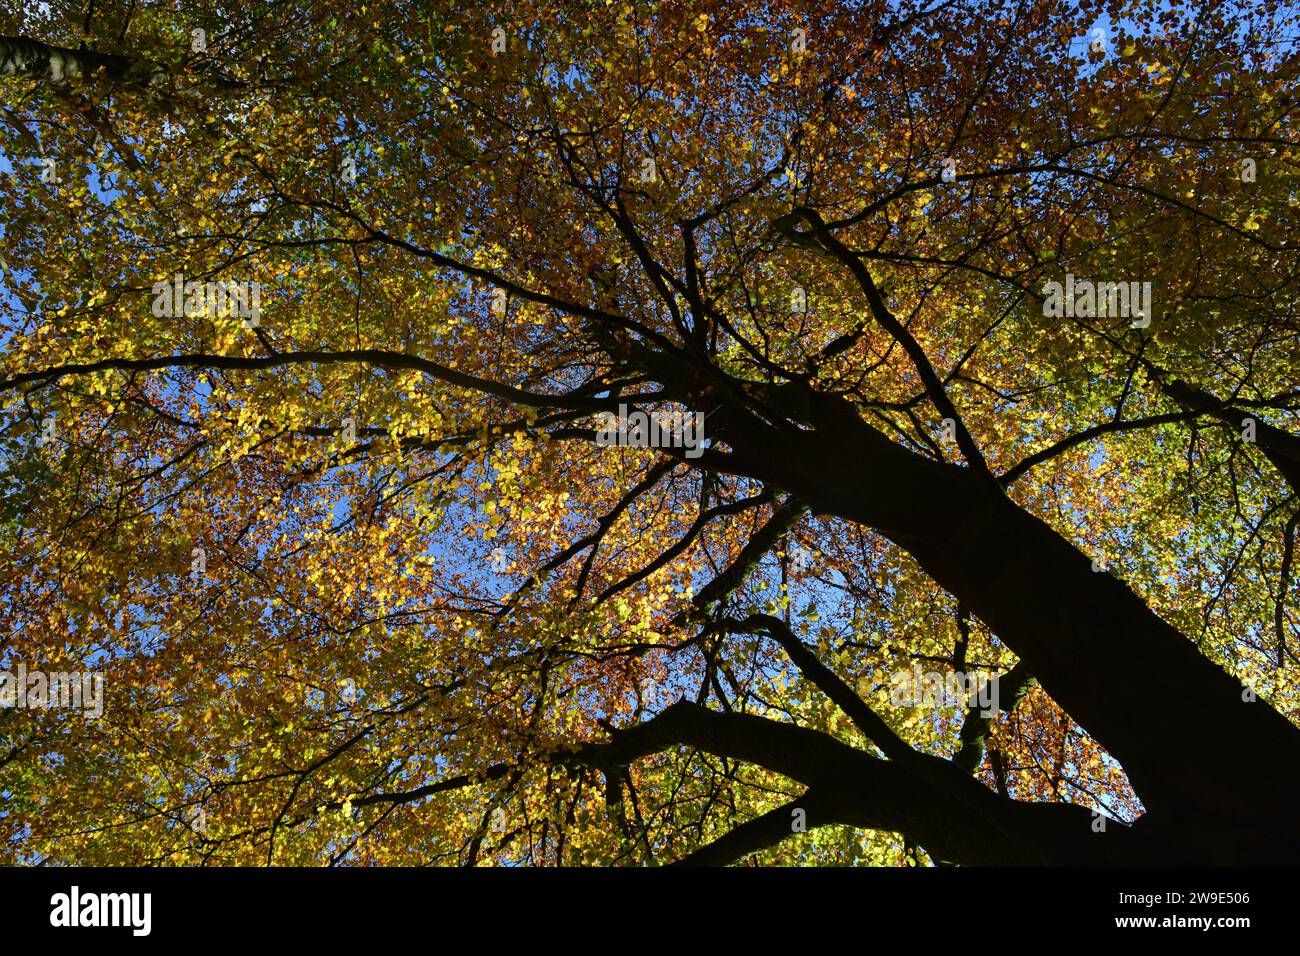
[363, 585]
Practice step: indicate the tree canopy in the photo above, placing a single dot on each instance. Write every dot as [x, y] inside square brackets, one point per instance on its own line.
[314, 317]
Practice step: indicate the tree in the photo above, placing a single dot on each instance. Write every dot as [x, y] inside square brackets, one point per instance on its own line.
[327, 334]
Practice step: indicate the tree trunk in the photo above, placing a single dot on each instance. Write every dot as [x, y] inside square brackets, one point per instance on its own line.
[34, 60]
[1216, 772]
